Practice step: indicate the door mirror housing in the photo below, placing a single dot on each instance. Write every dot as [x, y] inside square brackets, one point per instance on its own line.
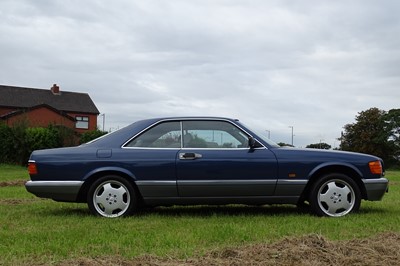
[252, 143]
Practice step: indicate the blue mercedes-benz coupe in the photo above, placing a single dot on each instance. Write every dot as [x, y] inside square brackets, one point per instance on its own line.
[202, 160]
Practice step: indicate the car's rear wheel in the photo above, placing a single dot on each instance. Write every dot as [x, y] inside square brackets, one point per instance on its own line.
[112, 196]
[335, 195]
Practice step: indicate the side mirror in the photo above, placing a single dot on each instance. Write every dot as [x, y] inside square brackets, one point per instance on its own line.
[252, 143]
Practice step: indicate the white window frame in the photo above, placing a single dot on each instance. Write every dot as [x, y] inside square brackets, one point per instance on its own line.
[82, 122]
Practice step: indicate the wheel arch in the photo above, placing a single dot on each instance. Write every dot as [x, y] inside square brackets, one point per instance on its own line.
[345, 169]
[91, 177]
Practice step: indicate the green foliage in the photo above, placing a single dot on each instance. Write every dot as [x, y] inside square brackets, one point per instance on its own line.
[374, 132]
[392, 121]
[6, 144]
[321, 145]
[13, 143]
[19, 141]
[91, 135]
[38, 138]
[67, 136]
[227, 145]
[282, 144]
[197, 142]
[45, 232]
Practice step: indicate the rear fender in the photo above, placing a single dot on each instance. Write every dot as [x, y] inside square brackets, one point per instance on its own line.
[110, 169]
[99, 172]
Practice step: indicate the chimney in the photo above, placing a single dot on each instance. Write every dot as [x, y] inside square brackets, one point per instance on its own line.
[55, 89]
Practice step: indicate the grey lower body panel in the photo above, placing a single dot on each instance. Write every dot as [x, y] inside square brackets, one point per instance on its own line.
[155, 201]
[221, 192]
[66, 191]
[157, 188]
[376, 188]
[226, 188]
[290, 187]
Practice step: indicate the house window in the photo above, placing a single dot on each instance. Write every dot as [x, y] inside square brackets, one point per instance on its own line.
[82, 122]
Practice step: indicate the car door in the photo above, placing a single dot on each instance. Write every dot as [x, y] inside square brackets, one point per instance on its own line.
[216, 161]
[152, 159]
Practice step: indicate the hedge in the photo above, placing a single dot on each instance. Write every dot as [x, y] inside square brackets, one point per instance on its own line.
[18, 142]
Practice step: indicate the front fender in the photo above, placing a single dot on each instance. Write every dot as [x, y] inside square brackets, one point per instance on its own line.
[331, 165]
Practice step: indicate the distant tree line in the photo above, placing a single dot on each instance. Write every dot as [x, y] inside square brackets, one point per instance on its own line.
[374, 131]
[18, 141]
[321, 145]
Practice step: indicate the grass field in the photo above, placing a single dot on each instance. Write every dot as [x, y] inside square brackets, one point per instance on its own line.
[45, 231]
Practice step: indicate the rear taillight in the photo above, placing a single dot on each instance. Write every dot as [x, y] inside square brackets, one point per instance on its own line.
[32, 169]
[375, 167]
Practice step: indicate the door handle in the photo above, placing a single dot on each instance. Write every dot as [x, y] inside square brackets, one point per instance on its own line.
[189, 156]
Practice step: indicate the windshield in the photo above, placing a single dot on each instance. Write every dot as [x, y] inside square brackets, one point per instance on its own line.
[263, 136]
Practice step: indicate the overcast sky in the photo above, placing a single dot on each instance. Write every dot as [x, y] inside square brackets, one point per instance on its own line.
[312, 65]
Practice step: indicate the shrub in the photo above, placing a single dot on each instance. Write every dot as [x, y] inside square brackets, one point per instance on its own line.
[38, 138]
[91, 135]
[6, 144]
[18, 142]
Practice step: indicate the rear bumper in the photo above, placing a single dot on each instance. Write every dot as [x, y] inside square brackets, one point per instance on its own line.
[57, 190]
[376, 188]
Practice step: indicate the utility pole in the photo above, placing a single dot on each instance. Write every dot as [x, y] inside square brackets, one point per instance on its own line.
[104, 119]
[292, 134]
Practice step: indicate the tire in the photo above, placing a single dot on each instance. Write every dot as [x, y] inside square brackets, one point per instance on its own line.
[112, 196]
[335, 195]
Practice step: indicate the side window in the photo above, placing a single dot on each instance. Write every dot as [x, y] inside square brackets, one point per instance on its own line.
[213, 134]
[164, 135]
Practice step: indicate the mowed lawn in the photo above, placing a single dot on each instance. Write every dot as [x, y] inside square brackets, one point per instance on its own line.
[45, 231]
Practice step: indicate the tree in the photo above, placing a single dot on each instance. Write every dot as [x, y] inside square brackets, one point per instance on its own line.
[392, 122]
[91, 135]
[369, 134]
[282, 144]
[321, 145]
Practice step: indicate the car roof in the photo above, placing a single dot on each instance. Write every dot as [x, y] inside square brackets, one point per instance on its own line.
[190, 118]
[116, 138]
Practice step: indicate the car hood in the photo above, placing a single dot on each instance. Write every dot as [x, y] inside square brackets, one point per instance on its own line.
[306, 153]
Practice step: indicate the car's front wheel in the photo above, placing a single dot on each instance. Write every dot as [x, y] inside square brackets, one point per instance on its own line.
[112, 196]
[335, 195]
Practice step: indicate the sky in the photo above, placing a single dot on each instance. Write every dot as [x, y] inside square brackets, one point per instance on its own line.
[311, 65]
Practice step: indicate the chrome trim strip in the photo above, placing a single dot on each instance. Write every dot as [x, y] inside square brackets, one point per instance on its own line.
[156, 183]
[53, 183]
[228, 182]
[181, 124]
[292, 181]
[149, 148]
[375, 181]
[219, 149]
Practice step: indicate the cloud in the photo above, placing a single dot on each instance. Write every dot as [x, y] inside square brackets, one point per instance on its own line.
[311, 65]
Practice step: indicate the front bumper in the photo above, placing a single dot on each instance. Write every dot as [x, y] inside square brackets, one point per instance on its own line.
[66, 191]
[376, 188]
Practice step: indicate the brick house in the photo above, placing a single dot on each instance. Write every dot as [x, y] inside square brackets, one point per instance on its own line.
[41, 107]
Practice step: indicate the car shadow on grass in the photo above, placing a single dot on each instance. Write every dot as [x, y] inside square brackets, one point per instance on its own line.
[197, 211]
[372, 210]
[223, 210]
